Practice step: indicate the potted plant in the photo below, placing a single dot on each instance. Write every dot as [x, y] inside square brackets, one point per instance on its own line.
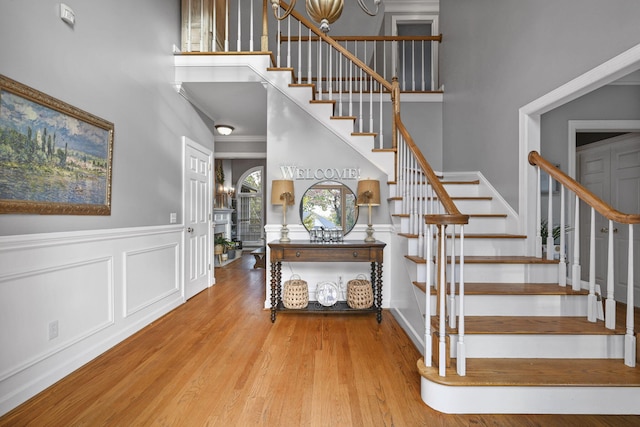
[231, 250]
[221, 244]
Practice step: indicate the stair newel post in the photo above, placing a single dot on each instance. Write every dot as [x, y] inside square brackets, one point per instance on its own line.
[428, 344]
[591, 299]
[452, 281]
[538, 216]
[461, 357]
[264, 39]
[550, 242]
[575, 268]
[441, 263]
[562, 265]
[630, 338]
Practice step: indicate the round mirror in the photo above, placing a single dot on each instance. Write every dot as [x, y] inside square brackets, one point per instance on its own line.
[329, 205]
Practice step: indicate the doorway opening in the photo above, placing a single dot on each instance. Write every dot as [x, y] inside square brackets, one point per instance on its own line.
[250, 208]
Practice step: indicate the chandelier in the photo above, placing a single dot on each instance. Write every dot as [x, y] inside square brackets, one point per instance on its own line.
[323, 12]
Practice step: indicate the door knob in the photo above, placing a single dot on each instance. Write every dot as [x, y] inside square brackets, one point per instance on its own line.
[606, 230]
[189, 230]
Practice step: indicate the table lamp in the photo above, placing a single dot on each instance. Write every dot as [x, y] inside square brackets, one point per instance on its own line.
[282, 194]
[369, 195]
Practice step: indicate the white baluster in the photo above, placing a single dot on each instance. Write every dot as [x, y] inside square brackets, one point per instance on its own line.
[289, 42]
[381, 132]
[309, 56]
[575, 268]
[591, 300]
[630, 338]
[299, 53]
[413, 65]
[251, 28]
[319, 66]
[562, 265]
[423, 85]
[610, 305]
[239, 36]
[550, 242]
[421, 207]
[452, 281]
[538, 216]
[226, 30]
[461, 360]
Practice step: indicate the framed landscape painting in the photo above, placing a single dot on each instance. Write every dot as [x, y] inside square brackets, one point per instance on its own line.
[54, 158]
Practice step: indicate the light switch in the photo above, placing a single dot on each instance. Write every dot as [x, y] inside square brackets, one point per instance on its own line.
[67, 15]
[173, 217]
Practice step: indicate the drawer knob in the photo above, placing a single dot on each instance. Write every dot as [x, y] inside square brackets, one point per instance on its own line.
[355, 254]
[298, 254]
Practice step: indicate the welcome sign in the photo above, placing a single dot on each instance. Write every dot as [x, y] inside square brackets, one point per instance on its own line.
[319, 174]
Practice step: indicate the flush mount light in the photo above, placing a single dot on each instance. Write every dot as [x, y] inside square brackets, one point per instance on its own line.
[224, 129]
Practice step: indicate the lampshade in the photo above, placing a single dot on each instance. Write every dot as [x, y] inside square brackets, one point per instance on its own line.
[224, 129]
[280, 187]
[368, 192]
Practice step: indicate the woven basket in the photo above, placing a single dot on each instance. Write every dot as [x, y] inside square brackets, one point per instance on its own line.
[296, 293]
[359, 293]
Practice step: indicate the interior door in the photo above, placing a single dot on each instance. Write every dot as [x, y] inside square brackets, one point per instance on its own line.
[612, 172]
[625, 196]
[197, 214]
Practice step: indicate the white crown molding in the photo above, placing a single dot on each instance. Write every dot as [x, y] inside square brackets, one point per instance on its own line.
[408, 6]
[241, 138]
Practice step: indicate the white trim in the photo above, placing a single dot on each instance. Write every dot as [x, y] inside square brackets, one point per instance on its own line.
[529, 121]
[576, 126]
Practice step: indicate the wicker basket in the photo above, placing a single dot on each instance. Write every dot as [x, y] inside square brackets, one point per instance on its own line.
[296, 293]
[359, 293]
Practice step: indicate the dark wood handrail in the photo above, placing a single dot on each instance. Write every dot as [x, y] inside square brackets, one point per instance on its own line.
[377, 77]
[453, 215]
[584, 194]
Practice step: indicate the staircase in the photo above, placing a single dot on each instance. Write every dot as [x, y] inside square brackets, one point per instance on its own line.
[529, 346]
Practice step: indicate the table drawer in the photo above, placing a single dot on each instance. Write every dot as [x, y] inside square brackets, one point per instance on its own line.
[327, 254]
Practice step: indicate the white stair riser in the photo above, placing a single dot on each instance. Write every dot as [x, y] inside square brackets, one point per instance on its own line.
[542, 346]
[525, 305]
[483, 225]
[509, 273]
[490, 247]
[462, 190]
[530, 399]
[520, 305]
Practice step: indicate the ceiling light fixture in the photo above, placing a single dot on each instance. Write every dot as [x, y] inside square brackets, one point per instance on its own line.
[224, 129]
[324, 12]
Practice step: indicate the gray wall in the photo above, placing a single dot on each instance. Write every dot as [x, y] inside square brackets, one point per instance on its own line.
[499, 55]
[116, 63]
[614, 102]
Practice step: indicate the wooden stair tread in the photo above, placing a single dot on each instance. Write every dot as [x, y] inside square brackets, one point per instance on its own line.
[352, 118]
[538, 372]
[473, 182]
[487, 215]
[510, 289]
[482, 259]
[530, 325]
[452, 198]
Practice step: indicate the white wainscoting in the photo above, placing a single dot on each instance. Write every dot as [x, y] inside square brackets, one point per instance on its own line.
[94, 288]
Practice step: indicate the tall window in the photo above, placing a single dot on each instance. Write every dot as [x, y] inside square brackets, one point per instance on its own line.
[250, 208]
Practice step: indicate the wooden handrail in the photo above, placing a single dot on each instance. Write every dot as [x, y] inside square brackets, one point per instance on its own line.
[453, 215]
[437, 38]
[338, 47]
[584, 194]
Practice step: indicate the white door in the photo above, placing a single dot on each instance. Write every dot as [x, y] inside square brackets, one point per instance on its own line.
[197, 217]
[611, 170]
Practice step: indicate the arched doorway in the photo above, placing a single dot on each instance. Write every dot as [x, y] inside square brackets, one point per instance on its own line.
[250, 207]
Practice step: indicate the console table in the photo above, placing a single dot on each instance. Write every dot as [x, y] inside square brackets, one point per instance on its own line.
[347, 251]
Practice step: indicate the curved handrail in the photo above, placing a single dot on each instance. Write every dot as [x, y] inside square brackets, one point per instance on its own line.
[453, 215]
[584, 194]
[327, 39]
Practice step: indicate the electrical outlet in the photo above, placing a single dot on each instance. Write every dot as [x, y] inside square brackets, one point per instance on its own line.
[53, 330]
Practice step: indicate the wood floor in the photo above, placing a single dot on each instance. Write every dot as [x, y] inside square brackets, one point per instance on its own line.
[218, 361]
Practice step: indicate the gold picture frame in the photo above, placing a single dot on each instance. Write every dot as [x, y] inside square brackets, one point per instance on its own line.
[55, 159]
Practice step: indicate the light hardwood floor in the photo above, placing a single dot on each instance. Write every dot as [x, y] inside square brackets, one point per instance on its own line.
[218, 361]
